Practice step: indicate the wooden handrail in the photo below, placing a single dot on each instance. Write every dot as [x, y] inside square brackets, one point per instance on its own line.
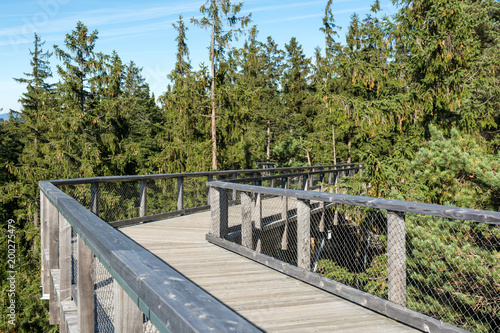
[476, 215]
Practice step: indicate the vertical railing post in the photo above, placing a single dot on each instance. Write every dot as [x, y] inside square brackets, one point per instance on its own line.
[85, 288]
[64, 259]
[180, 193]
[303, 234]
[209, 179]
[94, 198]
[271, 173]
[396, 256]
[246, 220]
[284, 215]
[218, 211]
[53, 225]
[44, 225]
[257, 218]
[127, 315]
[143, 197]
[234, 176]
[321, 181]
[305, 182]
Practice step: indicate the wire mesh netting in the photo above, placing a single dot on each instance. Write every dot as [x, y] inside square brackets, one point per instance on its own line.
[148, 326]
[104, 299]
[453, 269]
[80, 192]
[443, 268]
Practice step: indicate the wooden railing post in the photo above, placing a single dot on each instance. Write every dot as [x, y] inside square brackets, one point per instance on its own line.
[396, 257]
[234, 176]
[44, 225]
[143, 196]
[127, 316]
[85, 288]
[209, 179]
[284, 215]
[218, 211]
[305, 182]
[53, 238]
[257, 218]
[64, 259]
[246, 220]
[303, 234]
[271, 173]
[94, 198]
[180, 193]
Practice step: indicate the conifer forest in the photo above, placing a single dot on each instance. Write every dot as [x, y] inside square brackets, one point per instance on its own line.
[414, 97]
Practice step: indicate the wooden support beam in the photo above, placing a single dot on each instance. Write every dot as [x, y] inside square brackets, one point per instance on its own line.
[128, 316]
[53, 244]
[64, 259]
[234, 176]
[396, 257]
[143, 196]
[180, 193]
[219, 213]
[44, 225]
[304, 234]
[257, 218]
[284, 215]
[209, 179]
[94, 198]
[322, 181]
[246, 220]
[85, 288]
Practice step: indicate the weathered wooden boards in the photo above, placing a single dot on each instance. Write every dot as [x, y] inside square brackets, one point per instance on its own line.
[271, 300]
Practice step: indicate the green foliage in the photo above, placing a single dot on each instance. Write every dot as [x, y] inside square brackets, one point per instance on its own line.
[416, 98]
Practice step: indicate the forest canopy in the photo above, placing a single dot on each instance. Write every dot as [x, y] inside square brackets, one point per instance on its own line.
[414, 97]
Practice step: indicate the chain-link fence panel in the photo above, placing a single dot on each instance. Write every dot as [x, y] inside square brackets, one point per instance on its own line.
[148, 326]
[161, 195]
[80, 192]
[118, 201]
[453, 269]
[195, 192]
[104, 299]
[74, 257]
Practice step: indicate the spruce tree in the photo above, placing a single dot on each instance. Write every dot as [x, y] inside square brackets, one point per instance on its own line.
[216, 12]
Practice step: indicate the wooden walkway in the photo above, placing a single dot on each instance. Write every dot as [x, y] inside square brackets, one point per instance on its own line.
[272, 301]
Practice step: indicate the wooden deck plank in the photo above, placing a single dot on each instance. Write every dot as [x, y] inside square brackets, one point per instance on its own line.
[271, 300]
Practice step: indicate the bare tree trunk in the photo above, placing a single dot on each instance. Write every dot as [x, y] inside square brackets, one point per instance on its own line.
[212, 96]
[268, 141]
[333, 142]
[308, 158]
[349, 147]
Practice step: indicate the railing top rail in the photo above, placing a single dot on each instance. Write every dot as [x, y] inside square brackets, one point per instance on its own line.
[249, 179]
[114, 179]
[477, 215]
[183, 306]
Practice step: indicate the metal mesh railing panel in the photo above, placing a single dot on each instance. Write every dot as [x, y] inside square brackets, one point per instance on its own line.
[195, 192]
[104, 299]
[352, 249]
[80, 192]
[148, 326]
[118, 201]
[162, 196]
[453, 270]
[74, 257]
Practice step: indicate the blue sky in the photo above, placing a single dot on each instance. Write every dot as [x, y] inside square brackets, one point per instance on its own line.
[142, 31]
